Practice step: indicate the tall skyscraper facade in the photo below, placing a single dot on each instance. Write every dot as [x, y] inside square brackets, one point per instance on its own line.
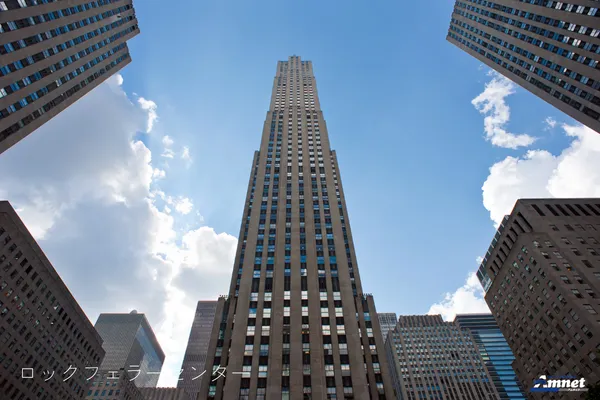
[194, 359]
[387, 322]
[495, 353]
[551, 48]
[130, 345]
[43, 331]
[53, 53]
[296, 323]
[435, 360]
[541, 275]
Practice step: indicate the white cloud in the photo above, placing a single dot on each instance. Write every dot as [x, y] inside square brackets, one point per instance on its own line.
[492, 104]
[465, 300]
[90, 195]
[150, 107]
[550, 123]
[158, 173]
[168, 153]
[575, 172]
[167, 141]
[185, 155]
[183, 205]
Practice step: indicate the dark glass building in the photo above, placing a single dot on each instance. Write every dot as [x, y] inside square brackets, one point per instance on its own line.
[52, 53]
[130, 345]
[43, 331]
[194, 359]
[431, 359]
[551, 48]
[541, 275]
[296, 323]
[495, 353]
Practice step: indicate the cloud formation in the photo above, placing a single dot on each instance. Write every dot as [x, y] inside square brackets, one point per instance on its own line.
[183, 205]
[550, 123]
[90, 195]
[186, 156]
[491, 103]
[575, 172]
[466, 299]
[150, 107]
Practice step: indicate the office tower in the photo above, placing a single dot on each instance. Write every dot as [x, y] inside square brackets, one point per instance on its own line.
[131, 346]
[541, 277]
[550, 48]
[495, 353]
[53, 53]
[166, 394]
[43, 331]
[303, 326]
[437, 360]
[195, 353]
[387, 322]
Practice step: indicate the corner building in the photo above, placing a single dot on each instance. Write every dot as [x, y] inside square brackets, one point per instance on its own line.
[551, 48]
[42, 327]
[52, 53]
[541, 277]
[296, 323]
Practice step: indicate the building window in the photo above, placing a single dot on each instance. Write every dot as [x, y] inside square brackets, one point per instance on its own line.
[589, 308]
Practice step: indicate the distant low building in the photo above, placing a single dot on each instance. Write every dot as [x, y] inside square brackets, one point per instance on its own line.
[165, 394]
[432, 359]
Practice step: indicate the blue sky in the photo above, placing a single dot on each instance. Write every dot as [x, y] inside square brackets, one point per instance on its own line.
[396, 97]
[163, 213]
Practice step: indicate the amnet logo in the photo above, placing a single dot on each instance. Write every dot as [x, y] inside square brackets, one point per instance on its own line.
[559, 384]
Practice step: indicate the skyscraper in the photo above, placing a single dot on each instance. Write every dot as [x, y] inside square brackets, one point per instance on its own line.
[541, 275]
[53, 53]
[43, 331]
[130, 345]
[435, 360]
[551, 48]
[495, 353]
[387, 322]
[195, 353]
[303, 326]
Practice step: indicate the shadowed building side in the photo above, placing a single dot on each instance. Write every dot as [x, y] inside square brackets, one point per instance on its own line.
[53, 53]
[541, 275]
[43, 331]
[548, 47]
